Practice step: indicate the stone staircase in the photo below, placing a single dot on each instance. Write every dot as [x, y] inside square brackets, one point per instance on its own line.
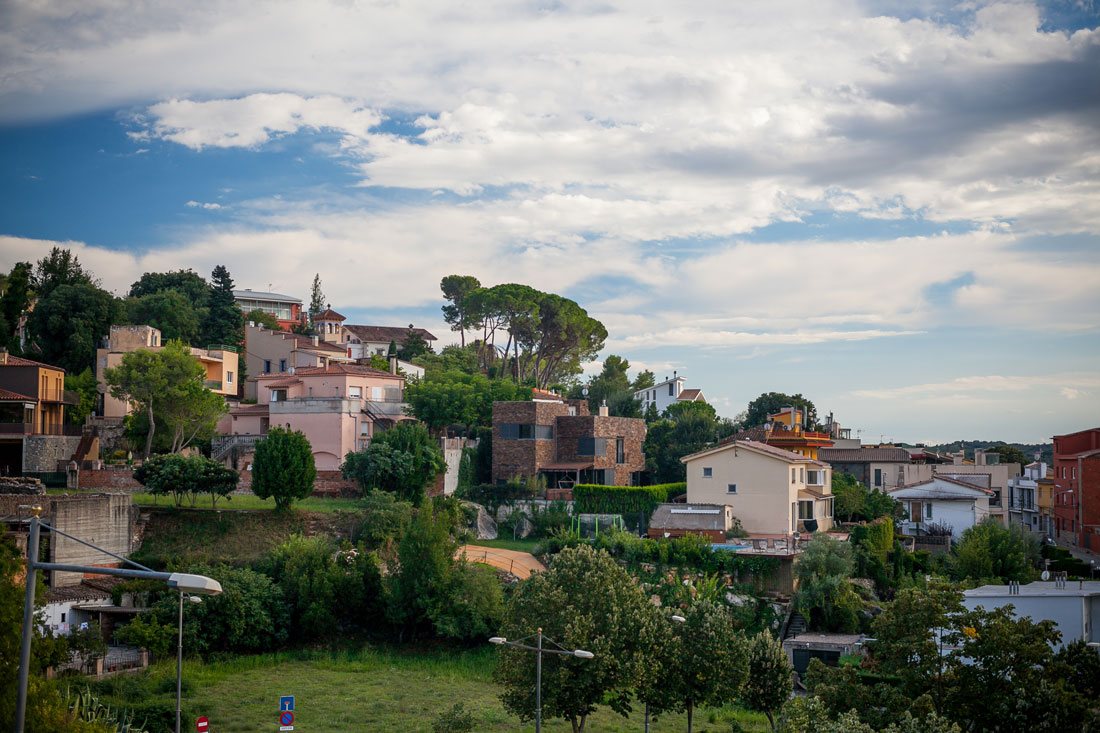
[796, 624]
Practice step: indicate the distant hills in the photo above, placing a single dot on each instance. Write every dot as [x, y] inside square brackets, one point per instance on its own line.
[1045, 450]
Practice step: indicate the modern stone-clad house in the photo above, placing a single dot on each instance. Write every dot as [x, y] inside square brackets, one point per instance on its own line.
[561, 441]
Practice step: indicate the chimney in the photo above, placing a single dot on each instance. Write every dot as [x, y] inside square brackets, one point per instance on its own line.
[603, 408]
[393, 364]
[316, 340]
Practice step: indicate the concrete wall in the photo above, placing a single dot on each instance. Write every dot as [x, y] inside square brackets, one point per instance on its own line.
[43, 453]
[106, 520]
[1069, 613]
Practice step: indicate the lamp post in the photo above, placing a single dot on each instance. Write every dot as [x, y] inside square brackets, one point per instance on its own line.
[179, 658]
[539, 651]
[680, 620]
[183, 582]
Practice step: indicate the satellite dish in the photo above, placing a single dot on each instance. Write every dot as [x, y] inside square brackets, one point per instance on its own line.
[584, 392]
[1045, 575]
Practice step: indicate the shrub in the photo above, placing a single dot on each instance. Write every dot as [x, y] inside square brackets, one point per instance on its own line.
[455, 720]
[284, 467]
[635, 503]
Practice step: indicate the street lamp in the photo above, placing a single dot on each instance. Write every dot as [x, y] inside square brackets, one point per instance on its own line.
[539, 651]
[179, 658]
[183, 582]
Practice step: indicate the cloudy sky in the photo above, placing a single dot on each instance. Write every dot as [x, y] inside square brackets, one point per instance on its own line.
[893, 208]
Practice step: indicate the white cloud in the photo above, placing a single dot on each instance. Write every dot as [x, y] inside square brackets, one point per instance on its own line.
[203, 205]
[976, 387]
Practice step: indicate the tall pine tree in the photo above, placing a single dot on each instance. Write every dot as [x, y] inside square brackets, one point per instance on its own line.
[224, 322]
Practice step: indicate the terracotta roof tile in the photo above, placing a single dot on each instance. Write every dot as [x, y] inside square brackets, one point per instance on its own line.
[328, 314]
[690, 395]
[387, 333]
[7, 394]
[864, 455]
[13, 360]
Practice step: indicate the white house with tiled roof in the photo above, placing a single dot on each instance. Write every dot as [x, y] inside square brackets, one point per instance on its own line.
[772, 491]
[957, 504]
[365, 341]
[668, 393]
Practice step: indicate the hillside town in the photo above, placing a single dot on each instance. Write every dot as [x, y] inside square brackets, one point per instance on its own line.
[799, 553]
[578, 367]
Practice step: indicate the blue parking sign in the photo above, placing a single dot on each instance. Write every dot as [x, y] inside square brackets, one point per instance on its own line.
[286, 703]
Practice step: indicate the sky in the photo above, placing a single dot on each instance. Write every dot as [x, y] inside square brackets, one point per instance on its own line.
[892, 208]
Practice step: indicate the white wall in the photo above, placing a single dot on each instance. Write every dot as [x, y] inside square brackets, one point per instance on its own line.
[1068, 612]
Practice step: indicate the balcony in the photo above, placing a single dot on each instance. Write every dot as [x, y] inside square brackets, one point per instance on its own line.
[20, 428]
[16, 428]
[214, 385]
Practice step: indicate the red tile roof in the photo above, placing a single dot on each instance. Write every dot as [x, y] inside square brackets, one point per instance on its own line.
[690, 395]
[345, 369]
[7, 394]
[542, 394]
[328, 314]
[385, 334]
[13, 360]
[306, 342]
[936, 478]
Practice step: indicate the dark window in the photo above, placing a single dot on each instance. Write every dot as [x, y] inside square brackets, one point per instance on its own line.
[544, 432]
[731, 488]
[591, 446]
[878, 477]
[509, 431]
[267, 366]
[620, 451]
[282, 365]
[526, 431]
[671, 386]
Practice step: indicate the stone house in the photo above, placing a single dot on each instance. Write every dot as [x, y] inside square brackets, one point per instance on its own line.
[562, 442]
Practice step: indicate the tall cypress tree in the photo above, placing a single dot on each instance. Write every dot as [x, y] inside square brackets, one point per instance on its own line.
[224, 322]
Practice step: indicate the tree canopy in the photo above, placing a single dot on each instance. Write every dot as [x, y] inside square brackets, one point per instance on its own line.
[458, 312]
[170, 311]
[224, 322]
[69, 322]
[770, 403]
[284, 467]
[617, 624]
[991, 551]
[443, 399]
[403, 460]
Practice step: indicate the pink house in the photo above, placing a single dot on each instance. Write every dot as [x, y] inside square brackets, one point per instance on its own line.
[338, 407]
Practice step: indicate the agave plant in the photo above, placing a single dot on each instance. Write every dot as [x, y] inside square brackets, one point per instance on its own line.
[87, 707]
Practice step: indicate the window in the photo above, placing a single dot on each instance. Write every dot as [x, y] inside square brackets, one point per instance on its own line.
[267, 366]
[620, 450]
[878, 477]
[355, 392]
[278, 395]
[63, 618]
[1073, 472]
[229, 377]
[595, 447]
[928, 510]
[376, 393]
[282, 365]
[806, 509]
[708, 472]
[802, 475]
[794, 475]
[731, 488]
[815, 477]
[526, 431]
[829, 507]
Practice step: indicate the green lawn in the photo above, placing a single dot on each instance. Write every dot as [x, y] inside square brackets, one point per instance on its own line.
[376, 690]
[527, 545]
[252, 502]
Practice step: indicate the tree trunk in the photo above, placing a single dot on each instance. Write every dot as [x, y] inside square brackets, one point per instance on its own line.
[149, 435]
[771, 719]
[690, 710]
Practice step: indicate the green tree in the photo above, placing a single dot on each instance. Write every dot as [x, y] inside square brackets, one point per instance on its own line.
[458, 312]
[451, 358]
[87, 388]
[989, 550]
[316, 298]
[617, 624]
[69, 322]
[403, 459]
[825, 595]
[770, 679]
[907, 643]
[283, 468]
[689, 427]
[644, 380]
[770, 403]
[224, 322]
[60, 267]
[188, 283]
[169, 311]
[453, 398]
[15, 300]
[414, 345]
[262, 318]
[167, 382]
[705, 663]
[192, 414]
[1011, 454]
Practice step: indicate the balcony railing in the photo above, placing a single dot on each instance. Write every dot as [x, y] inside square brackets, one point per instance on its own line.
[19, 428]
[16, 428]
[212, 384]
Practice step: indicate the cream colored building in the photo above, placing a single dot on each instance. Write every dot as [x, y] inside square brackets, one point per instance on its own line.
[772, 491]
[220, 364]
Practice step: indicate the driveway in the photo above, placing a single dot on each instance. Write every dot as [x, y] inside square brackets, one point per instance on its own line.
[519, 564]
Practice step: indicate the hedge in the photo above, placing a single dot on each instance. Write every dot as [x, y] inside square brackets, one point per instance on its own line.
[597, 499]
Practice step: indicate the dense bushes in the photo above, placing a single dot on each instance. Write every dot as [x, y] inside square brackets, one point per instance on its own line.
[691, 551]
[597, 499]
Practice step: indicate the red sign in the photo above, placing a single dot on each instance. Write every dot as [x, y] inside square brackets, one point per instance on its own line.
[202, 725]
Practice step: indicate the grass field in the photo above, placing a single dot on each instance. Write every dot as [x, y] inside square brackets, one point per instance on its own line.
[527, 545]
[378, 690]
[252, 502]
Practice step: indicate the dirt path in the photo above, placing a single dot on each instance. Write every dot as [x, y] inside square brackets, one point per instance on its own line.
[519, 564]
